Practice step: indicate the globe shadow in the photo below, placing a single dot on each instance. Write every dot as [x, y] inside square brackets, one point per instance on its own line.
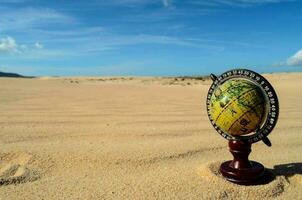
[286, 170]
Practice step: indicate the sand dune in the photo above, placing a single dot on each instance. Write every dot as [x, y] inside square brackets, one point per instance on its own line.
[133, 138]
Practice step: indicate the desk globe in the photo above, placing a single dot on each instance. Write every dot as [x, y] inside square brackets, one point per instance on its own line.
[243, 107]
[238, 106]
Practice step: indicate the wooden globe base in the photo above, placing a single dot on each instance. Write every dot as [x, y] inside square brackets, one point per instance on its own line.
[240, 170]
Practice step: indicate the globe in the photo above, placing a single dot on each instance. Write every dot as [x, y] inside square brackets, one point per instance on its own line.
[238, 106]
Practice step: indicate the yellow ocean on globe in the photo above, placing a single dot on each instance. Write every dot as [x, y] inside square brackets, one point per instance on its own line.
[238, 107]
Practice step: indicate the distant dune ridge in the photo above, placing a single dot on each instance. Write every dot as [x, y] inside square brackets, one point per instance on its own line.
[134, 138]
[13, 75]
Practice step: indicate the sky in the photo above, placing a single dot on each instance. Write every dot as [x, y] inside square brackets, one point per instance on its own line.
[149, 37]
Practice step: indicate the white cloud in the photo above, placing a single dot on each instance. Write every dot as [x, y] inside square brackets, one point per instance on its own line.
[23, 47]
[295, 60]
[167, 3]
[38, 45]
[8, 45]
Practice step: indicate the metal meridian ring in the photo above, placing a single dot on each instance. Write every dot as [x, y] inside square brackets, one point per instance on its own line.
[273, 104]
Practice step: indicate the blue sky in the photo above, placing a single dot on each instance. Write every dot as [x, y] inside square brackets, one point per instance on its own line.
[149, 37]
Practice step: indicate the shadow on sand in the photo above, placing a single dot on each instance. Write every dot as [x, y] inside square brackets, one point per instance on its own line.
[286, 170]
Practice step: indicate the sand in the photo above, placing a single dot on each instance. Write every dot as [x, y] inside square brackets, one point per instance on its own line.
[134, 138]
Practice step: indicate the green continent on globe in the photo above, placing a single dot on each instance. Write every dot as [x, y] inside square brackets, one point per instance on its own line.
[238, 107]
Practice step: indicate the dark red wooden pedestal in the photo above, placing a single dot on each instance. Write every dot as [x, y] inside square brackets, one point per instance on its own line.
[240, 170]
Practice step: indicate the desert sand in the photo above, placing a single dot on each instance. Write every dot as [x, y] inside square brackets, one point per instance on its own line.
[134, 138]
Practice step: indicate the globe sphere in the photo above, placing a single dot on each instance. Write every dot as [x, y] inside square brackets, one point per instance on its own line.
[238, 106]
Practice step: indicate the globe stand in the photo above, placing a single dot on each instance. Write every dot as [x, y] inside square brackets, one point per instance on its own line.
[240, 170]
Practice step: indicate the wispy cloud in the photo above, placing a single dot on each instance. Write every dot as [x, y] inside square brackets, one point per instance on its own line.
[74, 32]
[117, 3]
[167, 3]
[159, 39]
[13, 1]
[236, 3]
[228, 42]
[105, 42]
[25, 18]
